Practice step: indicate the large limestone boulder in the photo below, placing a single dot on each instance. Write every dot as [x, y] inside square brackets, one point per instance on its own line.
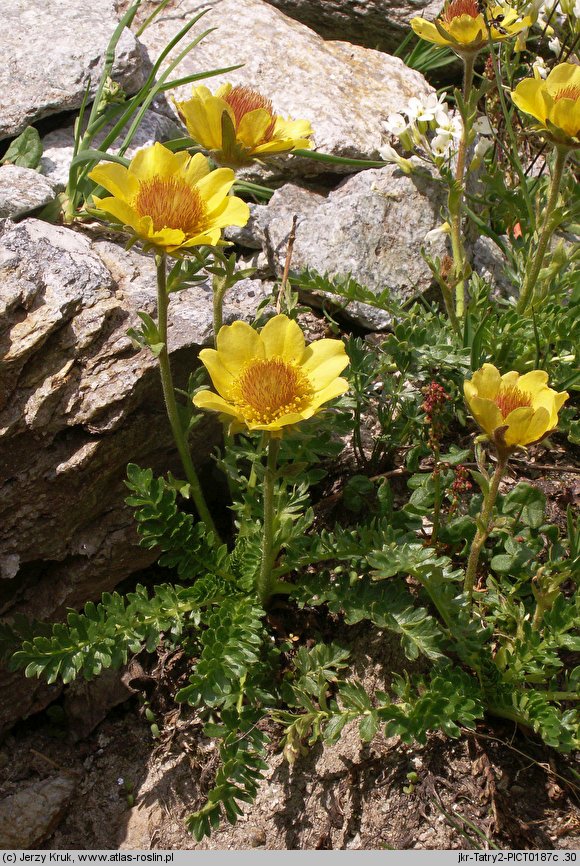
[373, 227]
[345, 91]
[51, 51]
[378, 24]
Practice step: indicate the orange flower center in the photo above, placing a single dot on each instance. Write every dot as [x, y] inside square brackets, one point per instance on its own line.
[460, 7]
[268, 389]
[242, 100]
[509, 398]
[571, 91]
[171, 203]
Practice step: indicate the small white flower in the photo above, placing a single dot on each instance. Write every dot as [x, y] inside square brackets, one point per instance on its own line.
[432, 105]
[539, 67]
[441, 145]
[453, 127]
[395, 124]
[442, 115]
[414, 108]
[555, 45]
[481, 148]
[443, 229]
[389, 154]
[482, 126]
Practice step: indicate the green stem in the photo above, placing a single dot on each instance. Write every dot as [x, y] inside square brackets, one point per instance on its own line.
[538, 615]
[547, 231]
[264, 583]
[219, 287]
[170, 403]
[484, 523]
[457, 194]
[437, 496]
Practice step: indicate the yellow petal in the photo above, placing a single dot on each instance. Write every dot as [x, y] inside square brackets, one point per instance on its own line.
[203, 119]
[566, 116]
[283, 338]
[323, 361]
[532, 382]
[335, 389]
[209, 237]
[526, 426]
[538, 426]
[518, 423]
[529, 98]
[118, 209]
[290, 130]
[558, 400]
[238, 344]
[223, 90]
[232, 212]
[486, 413]
[467, 30]
[221, 377]
[157, 161]
[426, 30]
[197, 168]
[214, 187]
[486, 381]
[510, 380]
[252, 127]
[172, 239]
[209, 400]
[562, 75]
[116, 179]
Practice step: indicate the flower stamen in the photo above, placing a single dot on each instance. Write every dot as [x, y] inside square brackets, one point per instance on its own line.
[572, 91]
[171, 203]
[460, 7]
[242, 100]
[268, 389]
[510, 397]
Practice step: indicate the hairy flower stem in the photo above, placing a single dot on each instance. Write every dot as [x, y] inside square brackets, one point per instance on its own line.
[547, 230]
[484, 524]
[170, 403]
[264, 583]
[456, 195]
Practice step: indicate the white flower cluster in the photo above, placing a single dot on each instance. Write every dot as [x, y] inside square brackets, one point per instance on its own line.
[415, 127]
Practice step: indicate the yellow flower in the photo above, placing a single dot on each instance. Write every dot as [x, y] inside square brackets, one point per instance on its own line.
[271, 379]
[238, 125]
[461, 26]
[171, 201]
[513, 410]
[554, 103]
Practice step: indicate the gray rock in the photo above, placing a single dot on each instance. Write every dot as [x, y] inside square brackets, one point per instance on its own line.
[344, 90]
[373, 23]
[372, 227]
[22, 190]
[30, 815]
[78, 402]
[489, 262]
[51, 52]
[57, 151]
